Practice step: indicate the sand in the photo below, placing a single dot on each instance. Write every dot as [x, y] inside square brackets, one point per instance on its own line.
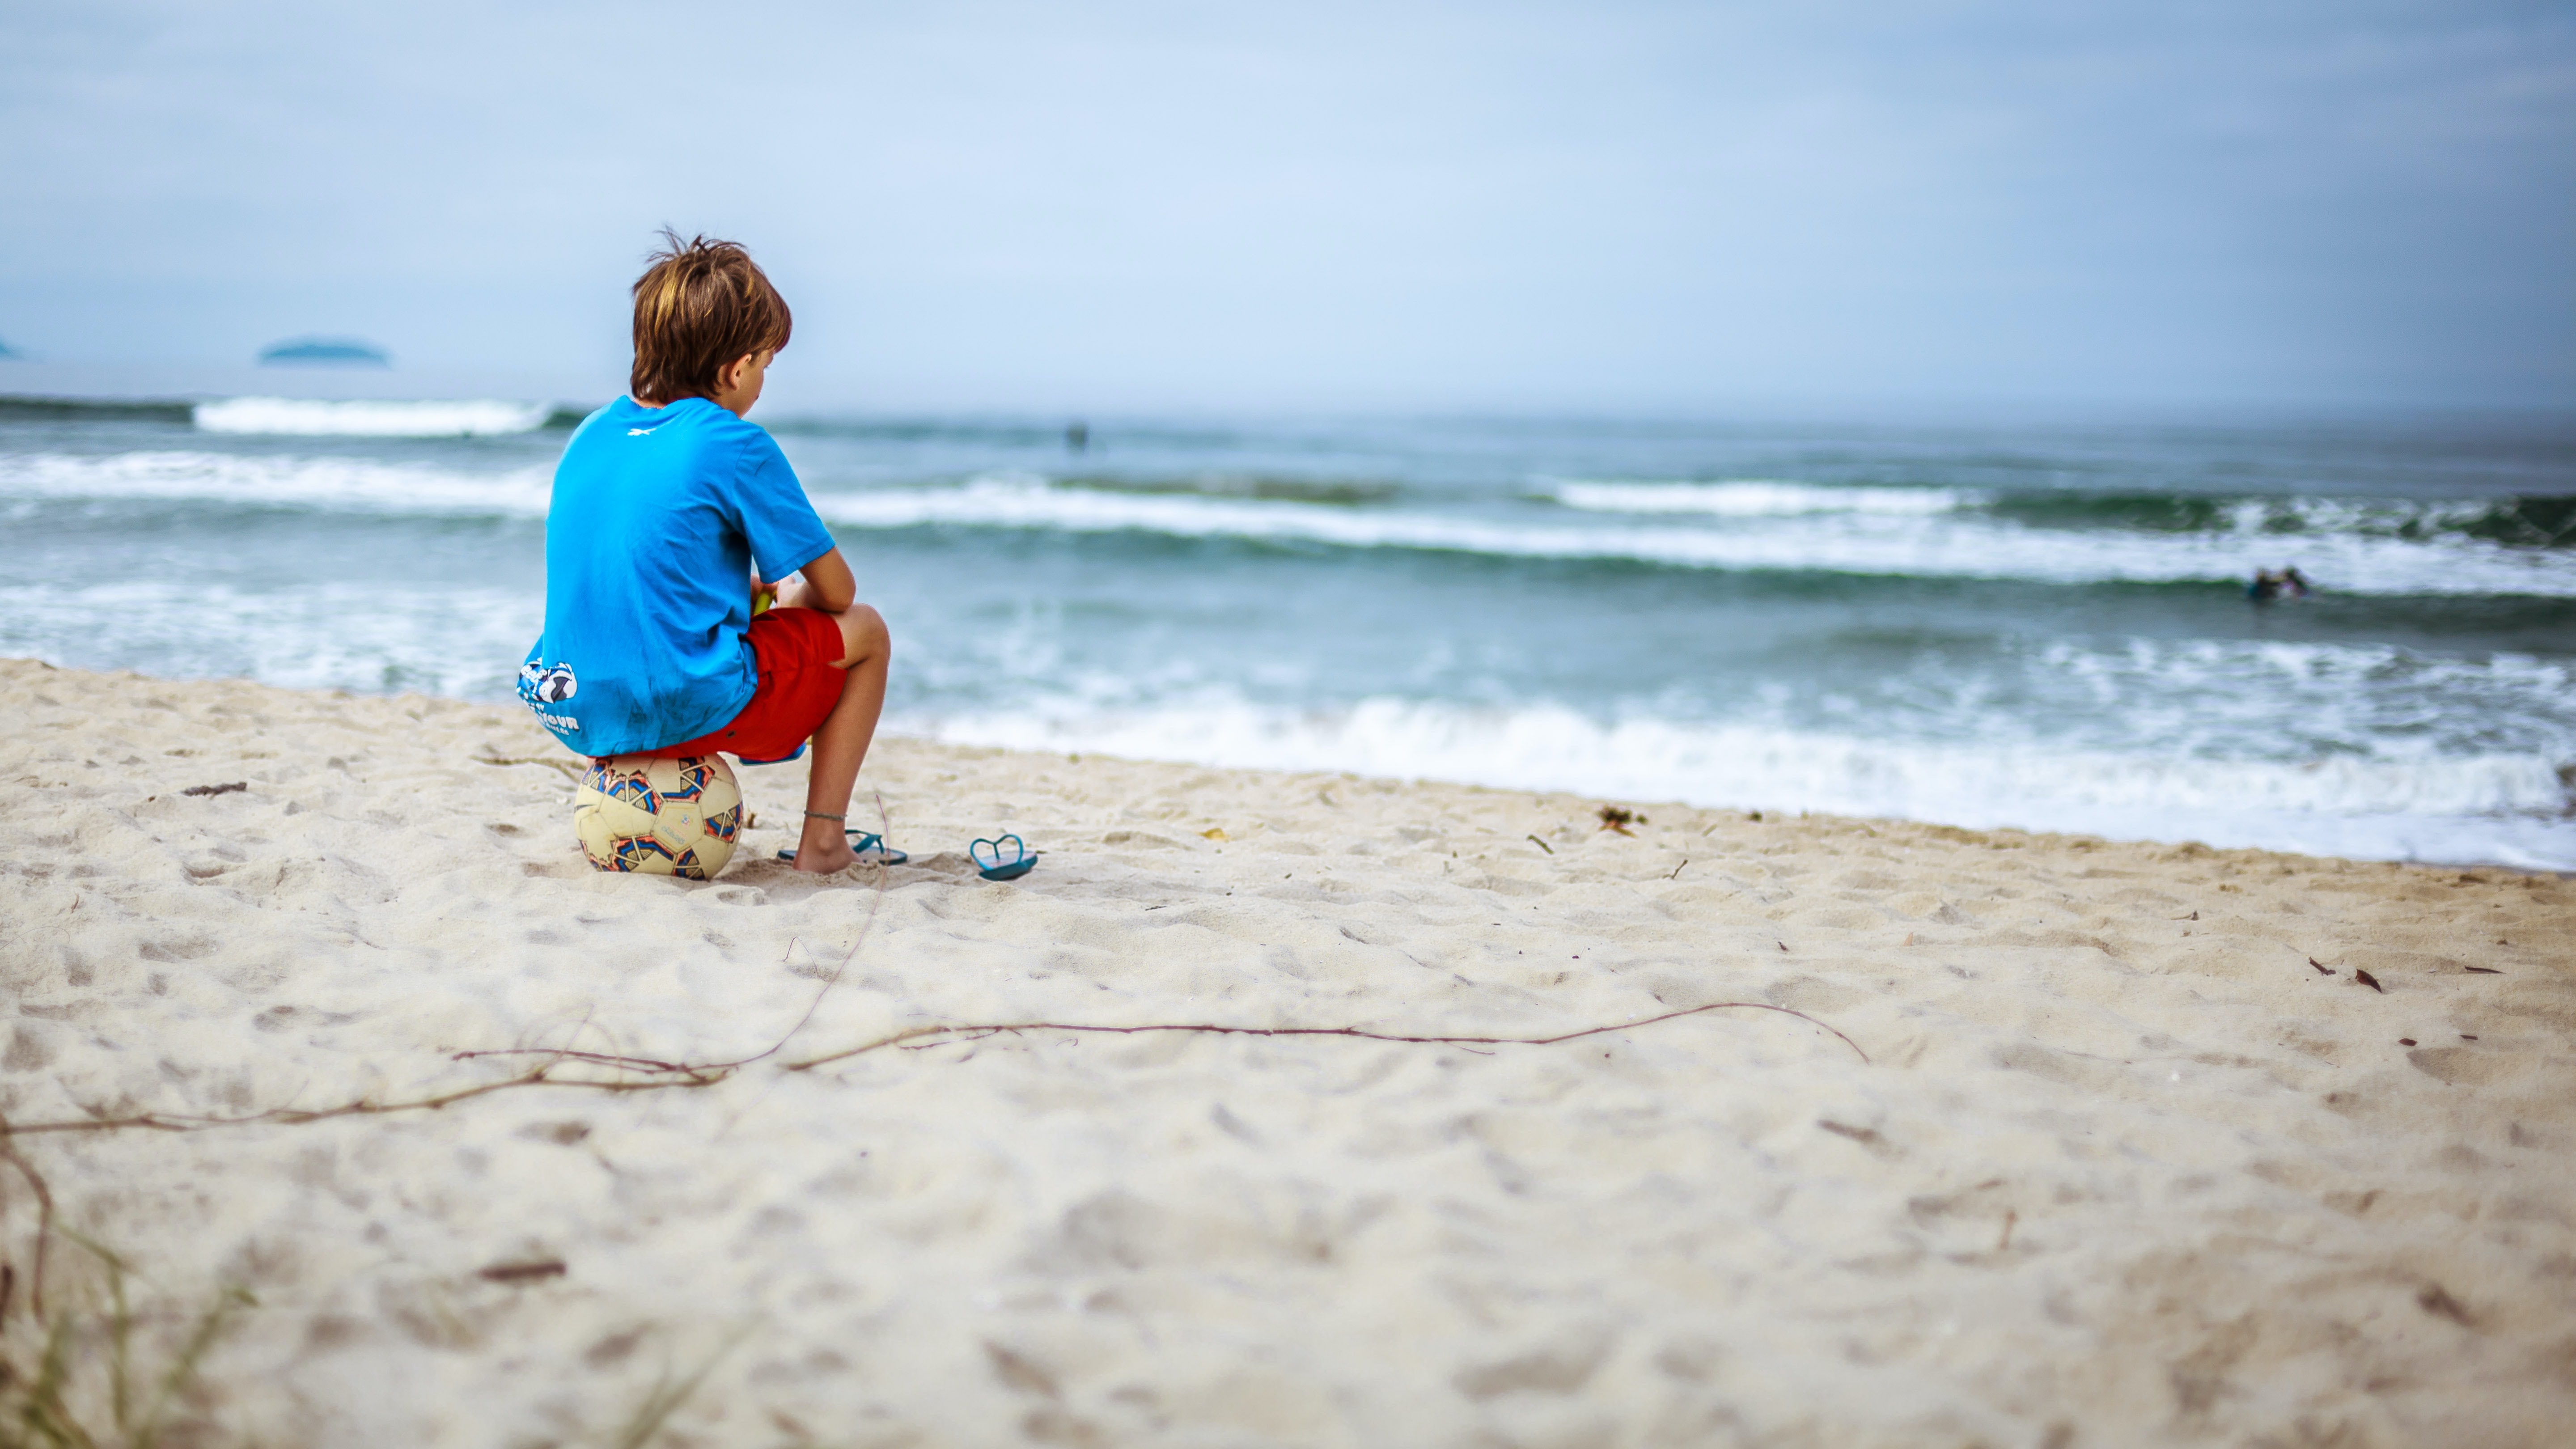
[2072, 1145]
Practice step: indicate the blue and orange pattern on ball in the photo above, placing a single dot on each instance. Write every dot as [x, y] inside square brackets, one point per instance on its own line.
[631, 852]
[694, 775]
[629, 786]
[725, 824]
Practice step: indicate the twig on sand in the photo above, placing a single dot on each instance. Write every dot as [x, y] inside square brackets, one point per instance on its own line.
[657, 1075]
[713, 1072]
[293, 1116]
[1355, 1032]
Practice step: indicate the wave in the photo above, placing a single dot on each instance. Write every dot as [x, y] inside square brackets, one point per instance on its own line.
[2542, 521]
[353, 484]
[309, 417]
[2546, 521]
[1754, 498]
[88, 409]
[1969, 542]
[1342, 492]
[1962, 545]
[2508, 808]
[2272, 699]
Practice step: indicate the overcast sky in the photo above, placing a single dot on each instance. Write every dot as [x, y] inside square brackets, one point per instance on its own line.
[1583, 206]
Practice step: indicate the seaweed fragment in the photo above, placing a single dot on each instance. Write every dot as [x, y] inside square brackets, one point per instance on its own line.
[2438, 1302]
[1619, 818]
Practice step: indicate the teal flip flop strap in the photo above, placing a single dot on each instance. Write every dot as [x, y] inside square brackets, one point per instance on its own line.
[992, 864]
[862, 842]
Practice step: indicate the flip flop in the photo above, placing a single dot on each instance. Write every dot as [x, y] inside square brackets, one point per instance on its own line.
[863, 841]
[990, 863]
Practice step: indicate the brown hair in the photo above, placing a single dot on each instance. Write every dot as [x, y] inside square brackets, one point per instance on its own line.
[700, 305]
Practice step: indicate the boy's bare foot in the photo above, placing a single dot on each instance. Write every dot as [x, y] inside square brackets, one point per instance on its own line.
[824, 848]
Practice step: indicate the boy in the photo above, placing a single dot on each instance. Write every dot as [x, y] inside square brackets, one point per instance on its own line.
[665, 505]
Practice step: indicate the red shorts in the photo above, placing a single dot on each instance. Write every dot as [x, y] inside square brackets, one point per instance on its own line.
[796, 651]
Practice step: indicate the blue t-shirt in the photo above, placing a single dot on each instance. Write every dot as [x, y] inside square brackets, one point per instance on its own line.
[657, 516]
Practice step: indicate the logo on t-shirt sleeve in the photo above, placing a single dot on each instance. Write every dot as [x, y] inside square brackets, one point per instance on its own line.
[542, 685]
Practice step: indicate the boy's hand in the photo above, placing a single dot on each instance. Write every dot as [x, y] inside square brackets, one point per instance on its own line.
[803, 590]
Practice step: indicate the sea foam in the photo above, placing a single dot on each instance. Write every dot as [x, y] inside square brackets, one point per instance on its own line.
[1754, 498]
[351, 484]
[308, 417]
[2510, 808]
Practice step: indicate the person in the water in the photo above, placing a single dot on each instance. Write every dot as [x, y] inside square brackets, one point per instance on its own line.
[2289, 583]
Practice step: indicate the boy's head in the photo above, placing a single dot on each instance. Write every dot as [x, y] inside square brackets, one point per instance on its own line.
[700, 306]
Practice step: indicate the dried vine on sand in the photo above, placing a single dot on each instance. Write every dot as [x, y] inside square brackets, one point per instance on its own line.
[654, 1075]
[647, 1074]
[973, 1031]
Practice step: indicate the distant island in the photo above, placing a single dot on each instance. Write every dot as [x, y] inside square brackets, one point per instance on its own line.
[326, 351]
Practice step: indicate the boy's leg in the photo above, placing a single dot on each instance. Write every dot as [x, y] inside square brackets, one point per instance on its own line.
[841, 745]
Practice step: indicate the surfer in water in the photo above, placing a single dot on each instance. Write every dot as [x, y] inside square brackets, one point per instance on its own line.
[2289, 583]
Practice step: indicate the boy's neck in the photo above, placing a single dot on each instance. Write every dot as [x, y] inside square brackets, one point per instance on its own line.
[655, 407]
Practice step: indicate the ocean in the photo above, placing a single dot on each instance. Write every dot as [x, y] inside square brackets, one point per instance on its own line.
[2037, 624]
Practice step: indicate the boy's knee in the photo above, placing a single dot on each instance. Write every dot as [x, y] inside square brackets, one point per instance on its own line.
[863, 635]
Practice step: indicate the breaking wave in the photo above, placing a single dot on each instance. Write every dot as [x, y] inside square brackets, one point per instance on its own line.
[1913, 543]
[307, 417]
[1755, 498]
[352, 484]
[2508, 807]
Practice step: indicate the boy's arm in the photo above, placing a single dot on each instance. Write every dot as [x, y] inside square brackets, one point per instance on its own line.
[824, 583]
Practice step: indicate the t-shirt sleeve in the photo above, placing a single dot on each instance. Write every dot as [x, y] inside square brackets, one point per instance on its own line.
[777, 520]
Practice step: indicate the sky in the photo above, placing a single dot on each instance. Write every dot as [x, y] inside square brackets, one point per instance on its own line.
[1577, 207]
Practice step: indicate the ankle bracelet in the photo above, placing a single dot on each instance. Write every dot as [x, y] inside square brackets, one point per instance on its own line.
[819, 815]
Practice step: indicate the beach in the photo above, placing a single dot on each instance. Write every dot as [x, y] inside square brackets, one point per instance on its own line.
[1984, 1137]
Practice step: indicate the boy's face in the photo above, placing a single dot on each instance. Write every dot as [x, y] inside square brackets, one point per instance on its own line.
[738, 383]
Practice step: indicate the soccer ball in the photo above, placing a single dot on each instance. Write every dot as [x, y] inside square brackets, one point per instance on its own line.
[659, 817]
